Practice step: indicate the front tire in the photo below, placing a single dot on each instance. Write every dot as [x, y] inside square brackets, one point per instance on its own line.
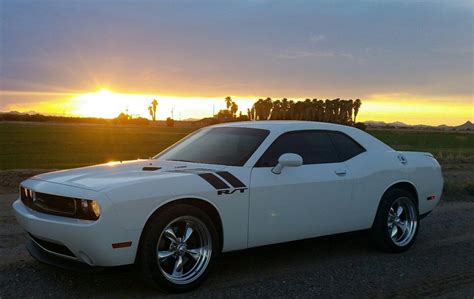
[396, 224]
[178, 248]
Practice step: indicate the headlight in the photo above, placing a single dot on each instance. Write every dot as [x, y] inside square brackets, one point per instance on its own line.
[90, 209]
[95, 208]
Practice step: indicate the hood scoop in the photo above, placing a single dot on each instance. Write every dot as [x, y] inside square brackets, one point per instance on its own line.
[150, 168]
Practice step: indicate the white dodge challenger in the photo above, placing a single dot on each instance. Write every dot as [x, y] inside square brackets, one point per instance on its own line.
[227, 187]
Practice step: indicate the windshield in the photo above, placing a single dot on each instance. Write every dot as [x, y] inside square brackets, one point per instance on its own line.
[228, 146]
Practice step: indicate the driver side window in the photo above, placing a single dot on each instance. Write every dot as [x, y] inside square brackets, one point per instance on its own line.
[315, 147]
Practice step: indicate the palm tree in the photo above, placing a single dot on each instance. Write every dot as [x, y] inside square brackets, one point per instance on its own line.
[285, 107]
[255, 111]
[291, 110]
[320, 110]
[268, 105]
[357, 104]
[350, 110]
[152, 109]
[307, 109]
[251, 113]
[233, 109]
[228, 102]
[276, 110]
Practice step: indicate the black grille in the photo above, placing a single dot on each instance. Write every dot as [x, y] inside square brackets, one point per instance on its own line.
[53, 247]
[53, 203]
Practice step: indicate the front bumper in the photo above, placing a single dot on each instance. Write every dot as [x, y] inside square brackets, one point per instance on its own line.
[89, 242]
[44, 256]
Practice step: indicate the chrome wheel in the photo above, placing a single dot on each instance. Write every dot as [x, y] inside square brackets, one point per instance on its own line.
[402, 221]
[184, 250]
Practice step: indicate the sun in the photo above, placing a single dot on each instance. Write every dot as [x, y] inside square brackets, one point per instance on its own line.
[104, 93]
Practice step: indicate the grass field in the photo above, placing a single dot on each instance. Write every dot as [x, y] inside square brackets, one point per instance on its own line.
[445, 145]
[56, 146]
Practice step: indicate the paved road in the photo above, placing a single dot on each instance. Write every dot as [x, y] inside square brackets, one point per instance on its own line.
[441, 264]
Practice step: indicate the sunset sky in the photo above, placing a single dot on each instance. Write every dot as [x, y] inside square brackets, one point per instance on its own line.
[410, 61]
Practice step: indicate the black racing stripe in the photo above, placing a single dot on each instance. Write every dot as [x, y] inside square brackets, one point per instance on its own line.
[214, 180]
[229, 177]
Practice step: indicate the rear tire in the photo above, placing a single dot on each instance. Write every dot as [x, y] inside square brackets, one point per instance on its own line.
[178, 248]
[397, 222]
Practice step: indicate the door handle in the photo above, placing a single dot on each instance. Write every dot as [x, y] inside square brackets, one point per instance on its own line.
[341, 172]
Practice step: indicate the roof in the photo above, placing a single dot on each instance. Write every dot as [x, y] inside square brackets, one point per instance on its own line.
[283, 124]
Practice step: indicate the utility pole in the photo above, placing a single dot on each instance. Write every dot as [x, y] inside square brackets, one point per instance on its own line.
[172, 113]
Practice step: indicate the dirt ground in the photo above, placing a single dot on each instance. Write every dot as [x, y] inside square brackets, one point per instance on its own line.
[11, 179]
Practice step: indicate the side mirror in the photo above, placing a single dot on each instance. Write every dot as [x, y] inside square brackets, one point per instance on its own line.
[287, 160]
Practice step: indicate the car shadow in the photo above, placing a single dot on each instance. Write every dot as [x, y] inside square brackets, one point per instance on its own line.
[231, 269]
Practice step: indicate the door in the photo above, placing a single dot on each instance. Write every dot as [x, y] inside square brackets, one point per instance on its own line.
[301, 202]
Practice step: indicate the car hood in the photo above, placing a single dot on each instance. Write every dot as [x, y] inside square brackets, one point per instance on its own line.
[113, 174]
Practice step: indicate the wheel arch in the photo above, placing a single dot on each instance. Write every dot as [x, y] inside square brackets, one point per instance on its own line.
[404, 185]
[208, 207]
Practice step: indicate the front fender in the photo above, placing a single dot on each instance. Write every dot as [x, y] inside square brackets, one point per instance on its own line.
[135, 204]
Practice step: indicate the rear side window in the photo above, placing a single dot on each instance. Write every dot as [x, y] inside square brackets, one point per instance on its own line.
[346, 146]
[315, 147]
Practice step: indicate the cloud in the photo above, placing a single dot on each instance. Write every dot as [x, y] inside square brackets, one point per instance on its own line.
[317, 38]
[297, 54]
[301, 54]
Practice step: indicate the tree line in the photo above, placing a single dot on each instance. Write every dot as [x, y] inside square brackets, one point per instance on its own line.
[334, 111]
[338, 110]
